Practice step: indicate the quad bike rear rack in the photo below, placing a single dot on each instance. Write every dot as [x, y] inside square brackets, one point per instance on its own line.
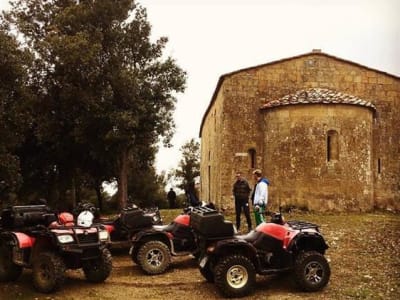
[302, 225]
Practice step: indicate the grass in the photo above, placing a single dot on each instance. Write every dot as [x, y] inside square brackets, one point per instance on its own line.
[364, 257]
[364, 251]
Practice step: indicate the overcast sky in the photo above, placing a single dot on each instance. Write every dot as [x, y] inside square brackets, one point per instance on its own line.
[209, 38]
[213, 37]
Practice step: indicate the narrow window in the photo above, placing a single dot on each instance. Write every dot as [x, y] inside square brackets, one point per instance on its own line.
[209, 183]
[215, 120]
[328, 149]
[252, 156]
[332, 145]
[209, 155]
[379, 166]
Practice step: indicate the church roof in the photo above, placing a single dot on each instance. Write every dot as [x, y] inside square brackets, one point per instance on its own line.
[313, 53]
[318, 96]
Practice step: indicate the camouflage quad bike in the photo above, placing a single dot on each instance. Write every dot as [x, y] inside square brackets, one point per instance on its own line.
[35, 237]
[232, 261]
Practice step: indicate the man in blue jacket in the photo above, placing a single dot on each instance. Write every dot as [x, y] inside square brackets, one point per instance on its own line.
[260, 196]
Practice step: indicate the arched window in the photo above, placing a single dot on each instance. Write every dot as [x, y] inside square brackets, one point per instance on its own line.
[332, 145]
[252, 156]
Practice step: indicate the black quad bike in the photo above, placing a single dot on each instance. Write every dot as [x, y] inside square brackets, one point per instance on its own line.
[232, 261]
[35, 237]
[130, 221]
[152, 248]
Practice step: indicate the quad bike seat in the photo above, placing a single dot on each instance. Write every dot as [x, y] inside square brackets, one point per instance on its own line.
[250, 237]
[162, 227]
[262, 240]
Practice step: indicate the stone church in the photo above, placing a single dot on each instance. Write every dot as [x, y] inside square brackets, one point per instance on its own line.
[324, 130]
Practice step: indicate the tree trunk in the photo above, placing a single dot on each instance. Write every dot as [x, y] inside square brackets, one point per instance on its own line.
[73, 191]
[123, 180]
[78, 188]
[99, 195]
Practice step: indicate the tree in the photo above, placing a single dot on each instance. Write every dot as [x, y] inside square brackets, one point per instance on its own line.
[147, 189]
[106, 94]
[189, 165]
[14, 112]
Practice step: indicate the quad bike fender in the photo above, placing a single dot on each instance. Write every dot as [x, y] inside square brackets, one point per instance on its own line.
[109, 228]
[19, 239]
[20, 244]
[308, 242]
[152, 234]
[233, 246]
[183, 219]
[24, 241]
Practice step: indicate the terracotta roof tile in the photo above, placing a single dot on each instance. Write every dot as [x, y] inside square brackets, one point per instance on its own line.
[318, 95]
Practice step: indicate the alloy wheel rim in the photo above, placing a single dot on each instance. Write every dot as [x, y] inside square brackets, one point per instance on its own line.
[314, 272]
[237, 276]
[155, 257]
[44, 272]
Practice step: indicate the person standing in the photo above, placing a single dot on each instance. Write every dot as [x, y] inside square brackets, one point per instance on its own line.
[171, 196]
[191, 194]
[241, 192]
[260, 196]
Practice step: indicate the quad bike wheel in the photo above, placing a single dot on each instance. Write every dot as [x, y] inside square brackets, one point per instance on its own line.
[235, 276]
[196, 254]
[154, 257]
[134, 254]
[207, 272]
[9, 271]
[48, 272]
[97, 270]
[311, 271]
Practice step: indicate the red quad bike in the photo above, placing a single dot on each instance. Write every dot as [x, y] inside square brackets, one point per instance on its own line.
[152, 248]
[130, 221]
[35, 237]
[232, 261]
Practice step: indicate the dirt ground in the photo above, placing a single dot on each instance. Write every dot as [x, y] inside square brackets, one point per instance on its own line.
[364, 256]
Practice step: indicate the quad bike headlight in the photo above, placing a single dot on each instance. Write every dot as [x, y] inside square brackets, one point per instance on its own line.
[65, 238]
[103, 235]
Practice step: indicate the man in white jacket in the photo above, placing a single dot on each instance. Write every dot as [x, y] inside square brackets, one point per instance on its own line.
[260, 196]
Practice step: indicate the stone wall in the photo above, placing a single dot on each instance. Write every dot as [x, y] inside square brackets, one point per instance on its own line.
[304, 172]
[236, 107]
[211, 152]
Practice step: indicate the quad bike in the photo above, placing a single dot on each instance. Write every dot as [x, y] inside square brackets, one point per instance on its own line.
[152, 248]
[130, 221]
[35, 237]
[232, 261]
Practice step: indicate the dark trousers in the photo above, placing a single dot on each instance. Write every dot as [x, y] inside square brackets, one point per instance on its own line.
[239, 205]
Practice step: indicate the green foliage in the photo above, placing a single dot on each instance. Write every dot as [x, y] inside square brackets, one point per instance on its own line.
[147, 189]
[14, 111]
[105, 94]
[189, 165]
[181, 200]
